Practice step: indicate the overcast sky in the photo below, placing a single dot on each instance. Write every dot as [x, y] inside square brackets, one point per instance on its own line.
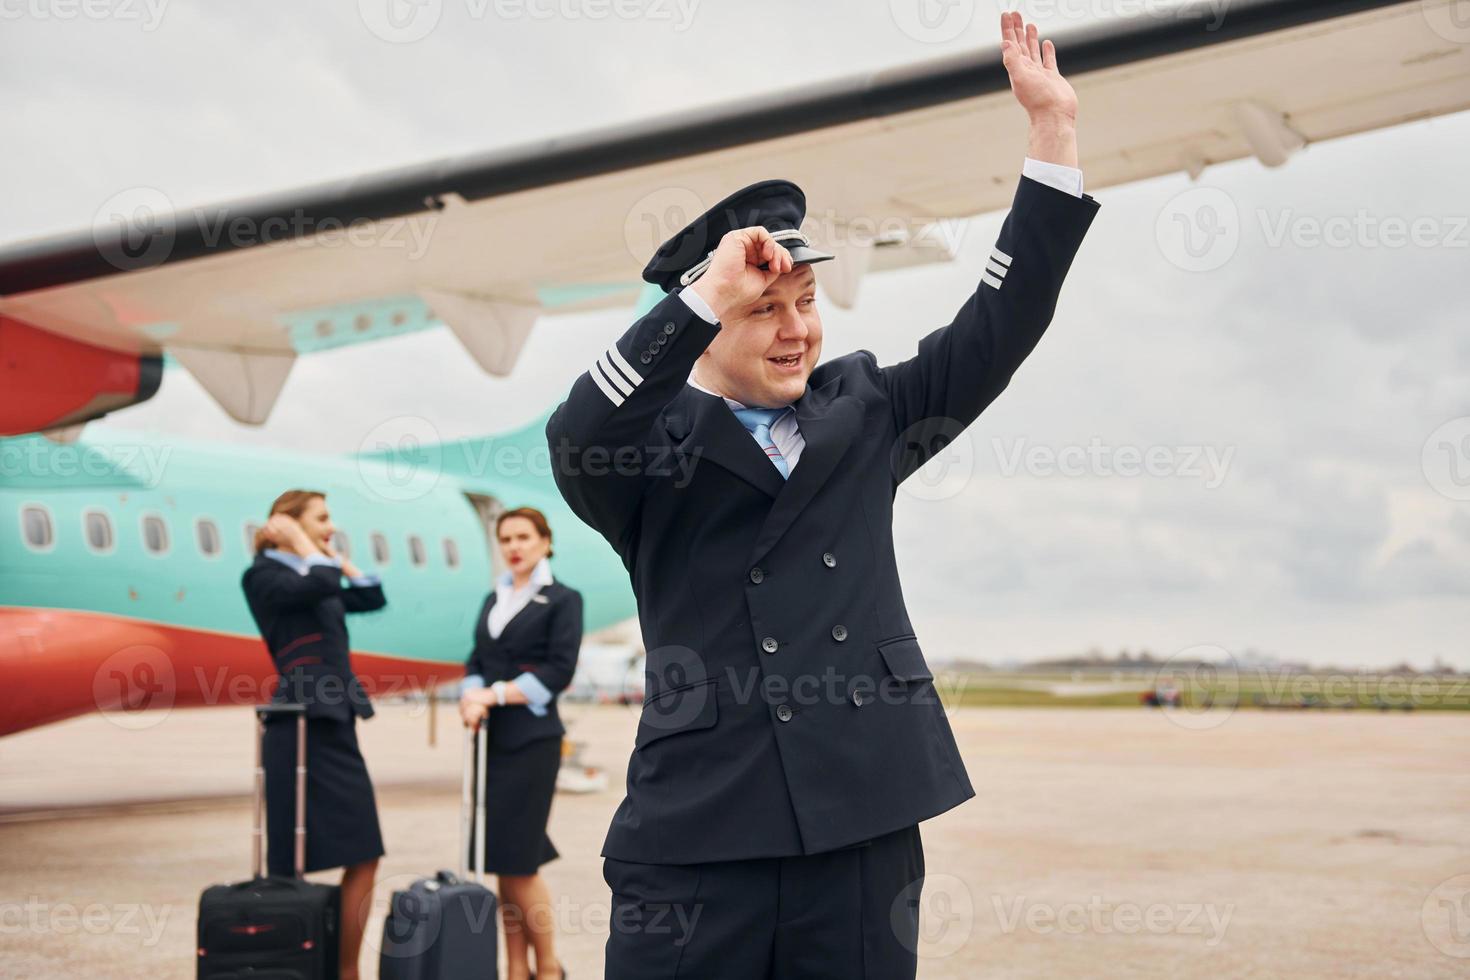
[1305, 405]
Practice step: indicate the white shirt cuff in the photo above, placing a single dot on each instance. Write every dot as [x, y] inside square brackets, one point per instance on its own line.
[1063, 178]
[696, 303]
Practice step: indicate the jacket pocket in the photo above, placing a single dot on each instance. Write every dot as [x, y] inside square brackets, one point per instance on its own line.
[904, 659]
[682, 709]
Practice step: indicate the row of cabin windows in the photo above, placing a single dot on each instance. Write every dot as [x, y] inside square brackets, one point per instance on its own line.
[39, 533]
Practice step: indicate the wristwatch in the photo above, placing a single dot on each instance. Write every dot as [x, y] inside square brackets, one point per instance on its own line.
[498, 689]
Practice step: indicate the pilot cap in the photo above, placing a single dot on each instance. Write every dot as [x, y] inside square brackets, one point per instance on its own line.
[777, 205]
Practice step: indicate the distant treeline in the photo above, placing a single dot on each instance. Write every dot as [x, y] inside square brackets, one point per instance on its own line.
[1145, 662]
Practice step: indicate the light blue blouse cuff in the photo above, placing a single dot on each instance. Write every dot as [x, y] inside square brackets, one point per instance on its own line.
[471, 682]
[363, 581]
[537, 696]
[322, 560]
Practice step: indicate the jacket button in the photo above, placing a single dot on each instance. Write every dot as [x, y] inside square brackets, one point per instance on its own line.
[769, 644]
[669, 328]
[839, 632]
[783, 711]
[857, 698]
[662, 340]
[645, 357]
[829, 559]
[756, 575]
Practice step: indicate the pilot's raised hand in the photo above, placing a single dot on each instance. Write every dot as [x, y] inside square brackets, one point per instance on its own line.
[735, 277]
[1039, 87]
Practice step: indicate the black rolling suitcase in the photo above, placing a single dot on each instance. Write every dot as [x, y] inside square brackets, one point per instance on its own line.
[445, 927]
[271, 928]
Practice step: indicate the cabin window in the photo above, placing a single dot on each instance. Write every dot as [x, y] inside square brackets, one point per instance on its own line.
[250, 528]
[380, 548]
[97, 529]
[416, 553]
[35, 521]
[155, 534]
[207, 533]
[342, 544]
[451, 553]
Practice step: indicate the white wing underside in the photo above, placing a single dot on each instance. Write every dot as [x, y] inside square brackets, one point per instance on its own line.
[873, 188]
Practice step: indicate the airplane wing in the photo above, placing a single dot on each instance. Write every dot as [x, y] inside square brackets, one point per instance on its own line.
[487, 244]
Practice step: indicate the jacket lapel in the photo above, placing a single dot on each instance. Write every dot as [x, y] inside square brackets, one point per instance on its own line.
[520, 614]
[700, 423]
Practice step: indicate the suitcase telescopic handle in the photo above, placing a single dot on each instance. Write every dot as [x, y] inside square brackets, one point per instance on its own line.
[299, 838]
[473, 782]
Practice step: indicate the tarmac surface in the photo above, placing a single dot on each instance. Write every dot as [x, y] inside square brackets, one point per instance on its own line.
[1102, 842]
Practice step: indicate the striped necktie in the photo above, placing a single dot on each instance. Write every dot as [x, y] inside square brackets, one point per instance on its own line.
[757, 422]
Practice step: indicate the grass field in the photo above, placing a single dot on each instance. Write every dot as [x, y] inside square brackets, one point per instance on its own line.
[1201, 689]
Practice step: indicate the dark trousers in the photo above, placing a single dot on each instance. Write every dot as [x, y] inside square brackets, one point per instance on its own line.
[849, 914]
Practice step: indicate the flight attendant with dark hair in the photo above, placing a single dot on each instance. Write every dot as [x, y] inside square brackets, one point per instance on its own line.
[295, 592]
[527, 636]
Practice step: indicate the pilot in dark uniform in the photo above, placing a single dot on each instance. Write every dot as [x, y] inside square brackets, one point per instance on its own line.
[791, 738]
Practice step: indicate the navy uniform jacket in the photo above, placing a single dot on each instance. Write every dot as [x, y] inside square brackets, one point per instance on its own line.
[789, 708]
[543, 639]
[303, 619]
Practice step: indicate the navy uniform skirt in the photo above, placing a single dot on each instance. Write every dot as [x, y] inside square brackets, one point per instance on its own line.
[519, 785]
[341, 811]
